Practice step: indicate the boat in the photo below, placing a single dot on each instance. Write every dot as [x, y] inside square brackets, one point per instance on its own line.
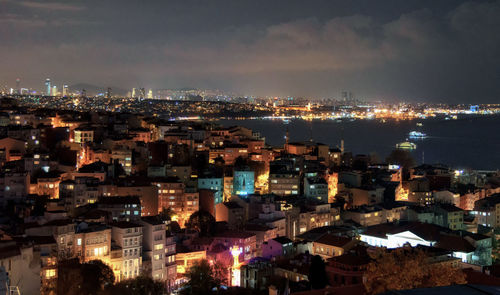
[419, 124]
[417, 135]
[406, 146]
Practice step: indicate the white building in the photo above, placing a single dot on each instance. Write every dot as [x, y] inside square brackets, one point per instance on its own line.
[128, 236]
[153, 241]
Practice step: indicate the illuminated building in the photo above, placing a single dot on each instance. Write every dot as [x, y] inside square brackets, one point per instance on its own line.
[121, 208]
[470, 248]
[284, 182]
[233, 151]
[243, 182]
[12, 148]
[244, 240]
[18, 86]
[27, 133]
[124, 157]
[170, 261]
[365, 215]
[65, 90]
[187, 259]
[79, 192]
[147, 193]
[256, 274]
[150, 94]
[316, 216]
[328, 246]
[317, 188]
[92, 241]
[128, 236]
[63, 231]
[174, 194]
[212, 183]
[54, 92]
[47, 87]
[82, 135]
[235, 269]
[47, 184]
[487, 211]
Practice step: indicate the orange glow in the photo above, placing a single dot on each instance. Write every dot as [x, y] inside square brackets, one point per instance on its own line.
[333, 181]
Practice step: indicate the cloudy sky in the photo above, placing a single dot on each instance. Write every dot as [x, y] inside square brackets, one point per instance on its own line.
[420, 50]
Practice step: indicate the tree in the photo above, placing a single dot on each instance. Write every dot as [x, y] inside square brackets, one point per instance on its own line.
[317, 273]
[75, 278]
[202, 279]
[203, 222]
[408, 268]
[105, 276]
[141, 285]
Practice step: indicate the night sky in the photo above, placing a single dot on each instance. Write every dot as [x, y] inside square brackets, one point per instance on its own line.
[414, 50]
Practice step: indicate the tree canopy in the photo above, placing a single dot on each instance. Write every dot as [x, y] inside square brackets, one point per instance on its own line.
[203, 222]
[75, 278]
[204, 278]
[142, 285]
[317, 273]
[408, 268]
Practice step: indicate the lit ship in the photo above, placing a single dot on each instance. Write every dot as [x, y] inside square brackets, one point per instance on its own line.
[406, 145]
[417, 135]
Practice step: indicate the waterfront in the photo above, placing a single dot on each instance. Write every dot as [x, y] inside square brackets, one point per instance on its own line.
[469, 142]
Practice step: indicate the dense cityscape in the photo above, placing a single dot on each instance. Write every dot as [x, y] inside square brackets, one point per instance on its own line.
[228, 147]
[155, 198]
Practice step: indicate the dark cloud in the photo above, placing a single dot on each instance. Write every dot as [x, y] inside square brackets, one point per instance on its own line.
[418, 51]
[54, 6]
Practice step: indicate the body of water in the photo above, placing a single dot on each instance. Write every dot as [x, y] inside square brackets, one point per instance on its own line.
[469, 142]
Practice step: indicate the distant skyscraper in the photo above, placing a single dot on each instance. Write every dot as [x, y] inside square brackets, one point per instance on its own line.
[150, 94]
[134, 93]
[54, 91]
[347, 96]
[65, 90]
[18, 85]
[47, 86]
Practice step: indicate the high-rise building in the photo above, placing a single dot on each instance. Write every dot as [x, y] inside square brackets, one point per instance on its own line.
[47, 86]
[134, 92]
[150, 94]
[54, 91]
[18, 85]
[65, 90]
[347, 96]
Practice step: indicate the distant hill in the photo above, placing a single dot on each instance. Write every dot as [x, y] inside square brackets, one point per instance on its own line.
[94, 90]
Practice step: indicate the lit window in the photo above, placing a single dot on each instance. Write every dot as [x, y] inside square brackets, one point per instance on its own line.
[50, 273]
[79, 242]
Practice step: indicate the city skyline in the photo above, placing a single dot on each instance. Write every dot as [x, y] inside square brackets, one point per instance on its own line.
[412, 51]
